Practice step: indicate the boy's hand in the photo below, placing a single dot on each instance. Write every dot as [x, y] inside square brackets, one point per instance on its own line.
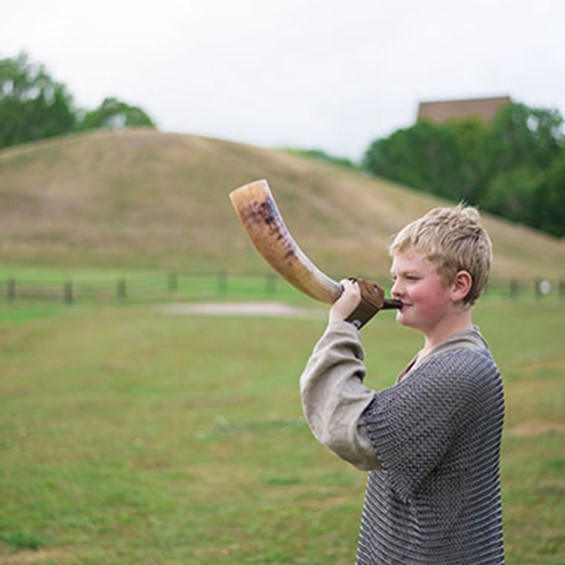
[347, 302]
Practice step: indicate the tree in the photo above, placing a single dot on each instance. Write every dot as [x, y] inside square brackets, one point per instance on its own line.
[114, 113]
[477, 146]
[425, 156]
[512, 193]
[549, 200]
[32, 105]
[525, 187]
[513, 167]
[527, 136]
[320, 155]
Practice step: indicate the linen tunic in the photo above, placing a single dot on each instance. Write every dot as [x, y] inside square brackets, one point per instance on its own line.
[431, 444]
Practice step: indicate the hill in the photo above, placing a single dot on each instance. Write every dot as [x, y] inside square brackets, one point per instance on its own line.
[142, 198]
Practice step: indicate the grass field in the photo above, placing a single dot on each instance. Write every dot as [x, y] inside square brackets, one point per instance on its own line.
[131, 436]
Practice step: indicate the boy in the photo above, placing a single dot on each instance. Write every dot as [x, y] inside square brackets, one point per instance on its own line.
[431, 443]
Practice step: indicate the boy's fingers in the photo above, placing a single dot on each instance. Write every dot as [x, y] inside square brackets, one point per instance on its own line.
[347, 302]
[350, 285]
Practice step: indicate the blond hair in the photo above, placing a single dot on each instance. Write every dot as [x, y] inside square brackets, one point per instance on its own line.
[454, 240]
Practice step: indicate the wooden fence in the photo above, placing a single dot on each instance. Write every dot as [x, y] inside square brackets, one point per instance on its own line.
[218, 286]
[146, 288]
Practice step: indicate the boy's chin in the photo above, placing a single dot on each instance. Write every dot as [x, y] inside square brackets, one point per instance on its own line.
[404, 320]
[401, 318]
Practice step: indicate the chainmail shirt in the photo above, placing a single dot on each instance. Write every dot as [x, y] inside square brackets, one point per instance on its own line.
[437, 434]
[433, 491]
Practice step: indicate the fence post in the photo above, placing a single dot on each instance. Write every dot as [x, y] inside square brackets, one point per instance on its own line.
[270, 283]
[222, 282]
[173, 281]
[68, 292]
[513, 288]
[121, 290]
[11, 290]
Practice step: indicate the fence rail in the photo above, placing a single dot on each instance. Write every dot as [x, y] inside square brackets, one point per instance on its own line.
[221, 285]
[149, 288]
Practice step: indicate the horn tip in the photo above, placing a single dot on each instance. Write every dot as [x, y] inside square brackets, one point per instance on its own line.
[260, 184]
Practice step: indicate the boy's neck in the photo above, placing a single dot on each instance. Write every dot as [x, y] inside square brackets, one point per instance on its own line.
[458, 322]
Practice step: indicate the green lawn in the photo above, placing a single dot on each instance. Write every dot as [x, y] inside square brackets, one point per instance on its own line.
[130, 436]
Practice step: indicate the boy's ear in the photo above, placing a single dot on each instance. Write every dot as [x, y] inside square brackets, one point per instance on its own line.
[461, 286]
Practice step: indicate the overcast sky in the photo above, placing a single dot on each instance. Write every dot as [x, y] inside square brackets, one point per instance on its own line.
[327, 74]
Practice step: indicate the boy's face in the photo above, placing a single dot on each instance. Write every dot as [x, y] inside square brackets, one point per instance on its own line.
[426, 298]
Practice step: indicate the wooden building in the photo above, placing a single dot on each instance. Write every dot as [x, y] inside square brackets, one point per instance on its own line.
[444, 111]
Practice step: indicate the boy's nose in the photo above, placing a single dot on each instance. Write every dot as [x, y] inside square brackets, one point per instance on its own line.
[396, 289]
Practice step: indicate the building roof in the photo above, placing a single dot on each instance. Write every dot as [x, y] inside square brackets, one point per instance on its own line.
[444, 111]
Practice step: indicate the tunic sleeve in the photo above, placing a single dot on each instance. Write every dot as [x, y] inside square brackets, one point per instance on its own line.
[334, 397]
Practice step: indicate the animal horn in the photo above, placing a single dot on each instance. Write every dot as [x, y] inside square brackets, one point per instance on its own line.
[265, 226]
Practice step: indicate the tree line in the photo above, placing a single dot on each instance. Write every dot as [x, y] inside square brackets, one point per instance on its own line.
[513, 167]
[34, 106]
